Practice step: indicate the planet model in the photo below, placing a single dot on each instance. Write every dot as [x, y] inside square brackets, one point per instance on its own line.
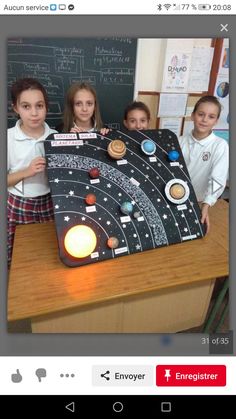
[136, 214]
[116, 149]
[148, 147]
[173, 155]
[113, 242]
[177, 191]
[80, 241]
[94, 172]
[126, 208]
[90, 199]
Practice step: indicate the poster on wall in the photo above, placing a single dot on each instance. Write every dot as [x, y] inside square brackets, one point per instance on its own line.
[172, 105]
[176, 72]
[224, 60]
[173, 124]
[200, 69]
[222, 94]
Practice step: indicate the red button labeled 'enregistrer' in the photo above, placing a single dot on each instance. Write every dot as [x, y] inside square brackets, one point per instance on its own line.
[191, 375]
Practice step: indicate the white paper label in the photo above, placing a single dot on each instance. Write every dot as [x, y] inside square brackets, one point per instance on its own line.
[192, 236]
[95, 181]
[94, 255]
[174, 163]
[134, 181]
[69, 136]
[152, 159]
[181, 207]
[120, 162]
[125, 219]
[120, 250]
[66, 143]
[91, 208]
[87, 135]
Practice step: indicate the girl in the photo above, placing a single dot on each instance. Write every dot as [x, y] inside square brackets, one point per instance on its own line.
[81, 111]
[206, 155]
[29, 199]
[136, 116]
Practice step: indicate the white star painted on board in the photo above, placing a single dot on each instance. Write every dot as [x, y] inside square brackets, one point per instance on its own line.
[133, 202]
[147, 176]
[192, 203]
[98, 148]
[147, 167]
[185, 229]
[87, 187]
[122, 240]
[66, 218]
[124, 225]
[77, 146]
[153, 190]
[108, 223]
[176, 224]
[167, 206]
[105, 199]
[70, 172]
[132, 171]
[127, 142]
[159, 164]
[99, 218]
[108, 185]
[198, 234]
[56, 206]
[138, 246]
[71, 193]
[196, 221]
[83, 218]
[134, 235]
[165, 216]
[146, 235]
[181, 166]
[157, 177]
[158, 200]
[103, 253]
[182, 215]
[190, 210]
[119, 194]
[56, 180]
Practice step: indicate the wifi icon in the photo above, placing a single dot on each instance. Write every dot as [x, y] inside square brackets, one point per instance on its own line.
[167, 6]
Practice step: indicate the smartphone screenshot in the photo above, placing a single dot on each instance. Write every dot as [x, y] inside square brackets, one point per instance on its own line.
[117, 228]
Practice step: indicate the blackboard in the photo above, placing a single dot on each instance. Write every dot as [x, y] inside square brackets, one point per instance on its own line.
[106, 63]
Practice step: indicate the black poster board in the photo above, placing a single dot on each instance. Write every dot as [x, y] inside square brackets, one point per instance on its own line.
[156, 219]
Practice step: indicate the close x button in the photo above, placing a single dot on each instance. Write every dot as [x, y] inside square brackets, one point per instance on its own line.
[191, 375]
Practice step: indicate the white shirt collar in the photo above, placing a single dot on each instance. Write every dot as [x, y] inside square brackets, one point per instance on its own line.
[204, 141]
[20, 135]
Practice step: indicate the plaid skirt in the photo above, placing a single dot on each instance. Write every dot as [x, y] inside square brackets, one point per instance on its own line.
[26, 211]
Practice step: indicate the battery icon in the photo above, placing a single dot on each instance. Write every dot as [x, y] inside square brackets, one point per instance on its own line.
[204, 7]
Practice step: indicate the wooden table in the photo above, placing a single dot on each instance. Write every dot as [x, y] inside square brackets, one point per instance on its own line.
[162, 290]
